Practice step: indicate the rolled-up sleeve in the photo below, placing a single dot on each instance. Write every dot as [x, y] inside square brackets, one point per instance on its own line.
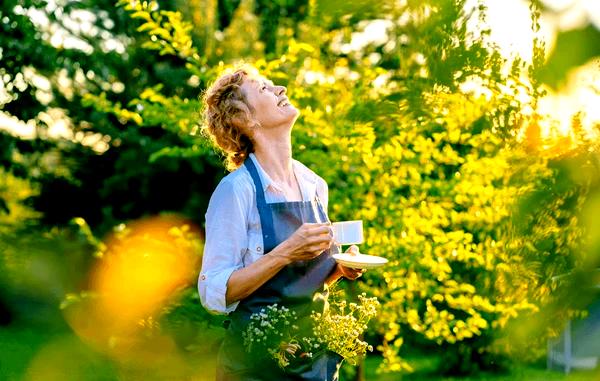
[226, 242]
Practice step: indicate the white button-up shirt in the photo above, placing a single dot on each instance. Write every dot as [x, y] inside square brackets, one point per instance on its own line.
[233, 232]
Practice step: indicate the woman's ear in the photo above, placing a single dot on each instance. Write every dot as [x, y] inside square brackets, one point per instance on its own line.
[254, 124]
[245, 124]
[239, 123]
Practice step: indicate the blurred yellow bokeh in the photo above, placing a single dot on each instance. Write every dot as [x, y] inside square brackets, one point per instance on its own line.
[143, 266]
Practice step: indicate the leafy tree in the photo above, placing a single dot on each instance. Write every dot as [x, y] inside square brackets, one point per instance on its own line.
[95, 171]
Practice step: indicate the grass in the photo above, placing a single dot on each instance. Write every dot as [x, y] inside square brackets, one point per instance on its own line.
[29, 353]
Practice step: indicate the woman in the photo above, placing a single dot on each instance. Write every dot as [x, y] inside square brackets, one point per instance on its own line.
[267, 231]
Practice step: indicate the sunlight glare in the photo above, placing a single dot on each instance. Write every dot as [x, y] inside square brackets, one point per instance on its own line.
[143, 267]
[581, 93]
[510, 25]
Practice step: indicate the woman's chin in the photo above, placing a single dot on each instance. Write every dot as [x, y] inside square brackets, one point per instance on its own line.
[295, 111]
[290, 112]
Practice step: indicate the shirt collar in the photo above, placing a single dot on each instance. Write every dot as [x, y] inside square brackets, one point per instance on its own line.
[307, 180]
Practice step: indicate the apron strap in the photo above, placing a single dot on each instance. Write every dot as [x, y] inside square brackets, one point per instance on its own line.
[266, 217]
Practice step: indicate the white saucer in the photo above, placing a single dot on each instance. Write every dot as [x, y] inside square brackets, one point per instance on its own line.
[359, 261]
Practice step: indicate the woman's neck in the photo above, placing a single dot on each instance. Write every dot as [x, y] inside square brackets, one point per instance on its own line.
[275, 157]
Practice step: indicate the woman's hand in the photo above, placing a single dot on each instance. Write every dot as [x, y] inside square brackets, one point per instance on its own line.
[348, 272]
[308, 242]
[343, 271]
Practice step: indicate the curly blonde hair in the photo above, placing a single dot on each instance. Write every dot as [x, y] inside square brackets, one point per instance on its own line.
[228, 116]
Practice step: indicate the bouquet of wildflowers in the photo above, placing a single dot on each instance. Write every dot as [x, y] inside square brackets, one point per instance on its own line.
[273, 330]
[341, 326]
[278, 332]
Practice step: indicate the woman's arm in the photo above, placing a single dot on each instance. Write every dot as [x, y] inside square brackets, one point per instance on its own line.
[246, 280]
[224, 280]
[335, 275]
[226, 242]
[308, 242]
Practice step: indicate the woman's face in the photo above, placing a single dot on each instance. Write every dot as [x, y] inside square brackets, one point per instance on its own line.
[271, 106]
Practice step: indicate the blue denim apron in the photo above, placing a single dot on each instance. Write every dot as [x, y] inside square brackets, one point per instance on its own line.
[294, 287]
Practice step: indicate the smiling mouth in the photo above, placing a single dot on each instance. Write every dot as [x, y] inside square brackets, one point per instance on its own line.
[283, 103]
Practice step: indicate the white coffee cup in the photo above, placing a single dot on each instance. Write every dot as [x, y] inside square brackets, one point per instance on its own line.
[348, 232]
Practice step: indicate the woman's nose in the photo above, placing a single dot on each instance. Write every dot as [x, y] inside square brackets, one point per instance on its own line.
[280, 90]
